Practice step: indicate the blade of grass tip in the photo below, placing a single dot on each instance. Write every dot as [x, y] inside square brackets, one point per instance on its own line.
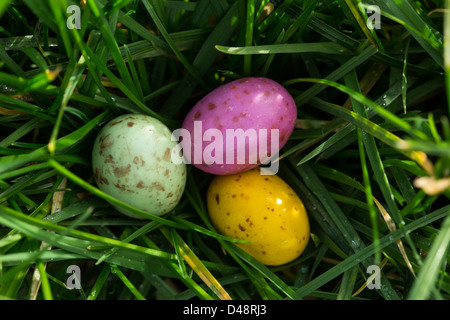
[426, 280]
[111, 42]
[392, 227]
[40, 80]
[195, 74]
[63, 285]
[75, 136]
[362, 24]
[195, 263]
[66, 90]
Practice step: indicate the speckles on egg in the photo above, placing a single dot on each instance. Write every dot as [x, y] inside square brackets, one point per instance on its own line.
[264, 210]
[122, 171]
[131, 161]
[249, 103]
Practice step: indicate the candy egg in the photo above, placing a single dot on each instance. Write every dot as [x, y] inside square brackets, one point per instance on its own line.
[131, 160]
[238, 126]
[262, 209]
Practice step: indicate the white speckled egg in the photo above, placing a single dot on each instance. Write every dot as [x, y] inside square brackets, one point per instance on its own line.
[131, 160]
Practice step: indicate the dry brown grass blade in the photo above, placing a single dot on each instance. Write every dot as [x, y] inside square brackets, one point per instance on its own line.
[392, 227]
[371, 278]
[197, 266]
[10, 112]
[368, 81]
[432, 186]
[57, 200]
[418, 156]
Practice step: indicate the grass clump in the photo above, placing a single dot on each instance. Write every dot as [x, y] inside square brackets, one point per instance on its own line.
[370, 156]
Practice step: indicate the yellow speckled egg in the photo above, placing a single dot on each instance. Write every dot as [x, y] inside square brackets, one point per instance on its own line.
[262, 209]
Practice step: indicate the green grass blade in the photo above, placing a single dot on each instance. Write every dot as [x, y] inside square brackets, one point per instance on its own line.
[369, 103]
[99, 283]
[88, 187]
[203, 60]
[430, 39]
[46, 289]
[375, 130]
[426, 280]
[116, 270]
[320, 47]
[367, 251]
[111, 43]
[249, 25]
[335, 75]
[195, 74]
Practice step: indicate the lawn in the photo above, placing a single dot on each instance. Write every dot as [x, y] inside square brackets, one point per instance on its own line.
[369, 155]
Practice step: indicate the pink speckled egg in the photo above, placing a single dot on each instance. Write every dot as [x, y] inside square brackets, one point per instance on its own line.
[238, 126]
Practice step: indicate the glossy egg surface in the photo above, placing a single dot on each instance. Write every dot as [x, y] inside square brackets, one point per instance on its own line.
[131, 161]
[239, 125]
[261, 209]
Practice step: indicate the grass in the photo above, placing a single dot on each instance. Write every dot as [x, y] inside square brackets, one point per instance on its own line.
[369, 157]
